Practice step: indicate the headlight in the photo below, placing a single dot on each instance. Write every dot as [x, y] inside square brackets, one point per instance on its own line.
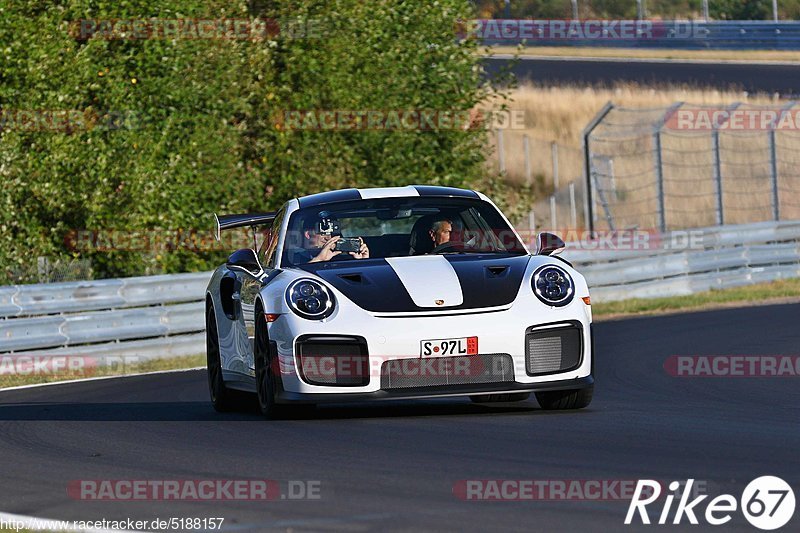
[553, 285]
[310, 299]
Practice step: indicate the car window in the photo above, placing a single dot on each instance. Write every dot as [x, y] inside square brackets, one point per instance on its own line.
[400, 227]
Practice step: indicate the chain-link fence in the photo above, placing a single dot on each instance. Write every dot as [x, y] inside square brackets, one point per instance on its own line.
[555, 173]
[664, 168]
[692, 166]
[45, 270]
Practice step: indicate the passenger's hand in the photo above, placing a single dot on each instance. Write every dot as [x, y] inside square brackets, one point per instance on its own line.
[327, 252]
[363, 252]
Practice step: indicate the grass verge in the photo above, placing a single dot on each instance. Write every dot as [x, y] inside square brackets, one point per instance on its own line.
[152, 365]
[754, 56]
[761, 293]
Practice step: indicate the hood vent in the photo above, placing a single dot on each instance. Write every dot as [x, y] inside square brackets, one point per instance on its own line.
[352, 277]
[497, 271]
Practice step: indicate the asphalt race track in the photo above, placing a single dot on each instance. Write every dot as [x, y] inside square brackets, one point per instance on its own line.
[783, 79]
[394, 465]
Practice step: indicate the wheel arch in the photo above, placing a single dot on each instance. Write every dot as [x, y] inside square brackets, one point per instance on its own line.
[209, 300]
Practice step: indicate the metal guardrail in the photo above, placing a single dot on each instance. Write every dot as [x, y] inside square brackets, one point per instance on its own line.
[722, 257]
[682, 34]
[163, 316]
[153, 316]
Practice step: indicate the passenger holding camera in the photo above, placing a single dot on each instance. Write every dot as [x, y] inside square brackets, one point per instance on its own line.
[324, 235]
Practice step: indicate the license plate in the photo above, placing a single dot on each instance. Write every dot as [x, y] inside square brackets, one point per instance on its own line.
[460, 346]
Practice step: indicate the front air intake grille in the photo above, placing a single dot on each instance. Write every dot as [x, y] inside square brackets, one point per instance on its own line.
[438, 371]
[333, 360]
[552, 350]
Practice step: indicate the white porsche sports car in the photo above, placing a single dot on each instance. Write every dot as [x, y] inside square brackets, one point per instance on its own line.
[401, 292]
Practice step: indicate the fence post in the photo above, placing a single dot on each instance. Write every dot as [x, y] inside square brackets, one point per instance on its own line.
[554, 155]
[602, 197]
[553, 218]
[501, 155]
[718, 163]
[773, 164]
[526, 145]
[573, 212]
[43, 269]
[717, 176]
[659, 169]
[587, 163]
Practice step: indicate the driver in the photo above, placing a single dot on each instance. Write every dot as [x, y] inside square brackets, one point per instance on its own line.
[440, 231]
[319, 241]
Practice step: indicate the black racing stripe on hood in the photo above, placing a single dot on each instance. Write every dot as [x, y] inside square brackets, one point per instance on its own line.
[373, 285]
[484, 282]
[379, 290]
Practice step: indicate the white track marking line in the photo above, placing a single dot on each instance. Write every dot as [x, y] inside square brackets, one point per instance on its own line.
[51, 524]
[98, 378]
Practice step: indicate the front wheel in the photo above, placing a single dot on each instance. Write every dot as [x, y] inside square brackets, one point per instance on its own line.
[266, 366]
[565, 399]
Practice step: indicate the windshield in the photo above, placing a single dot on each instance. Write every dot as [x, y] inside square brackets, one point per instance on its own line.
[397, 227]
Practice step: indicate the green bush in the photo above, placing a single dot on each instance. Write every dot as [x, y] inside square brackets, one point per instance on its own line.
[199, 131]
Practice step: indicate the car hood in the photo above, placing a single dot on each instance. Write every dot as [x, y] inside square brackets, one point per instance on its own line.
[426, 283]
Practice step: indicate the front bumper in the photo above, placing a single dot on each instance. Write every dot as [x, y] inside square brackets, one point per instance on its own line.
[398, 339]
[433, 392]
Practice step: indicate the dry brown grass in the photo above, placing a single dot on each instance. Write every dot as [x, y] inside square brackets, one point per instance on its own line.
[559, 114]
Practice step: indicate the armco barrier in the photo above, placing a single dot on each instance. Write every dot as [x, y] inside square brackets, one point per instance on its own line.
[163, 316]
[145, 317]
[724, 257]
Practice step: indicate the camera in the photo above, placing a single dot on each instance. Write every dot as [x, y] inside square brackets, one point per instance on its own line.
[327, 226]
[348, 244]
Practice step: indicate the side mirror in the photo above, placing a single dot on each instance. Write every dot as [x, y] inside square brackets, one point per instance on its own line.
[549, 244]
[245, 259]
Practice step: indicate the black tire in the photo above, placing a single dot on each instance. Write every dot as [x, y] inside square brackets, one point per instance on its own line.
[223, 399]
[266, 371]
[496, 398]
[565, 399]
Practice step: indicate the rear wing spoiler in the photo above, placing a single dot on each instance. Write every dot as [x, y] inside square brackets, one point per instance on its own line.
[226, 222]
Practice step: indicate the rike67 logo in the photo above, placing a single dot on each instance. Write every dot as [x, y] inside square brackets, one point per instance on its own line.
[767, 503]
